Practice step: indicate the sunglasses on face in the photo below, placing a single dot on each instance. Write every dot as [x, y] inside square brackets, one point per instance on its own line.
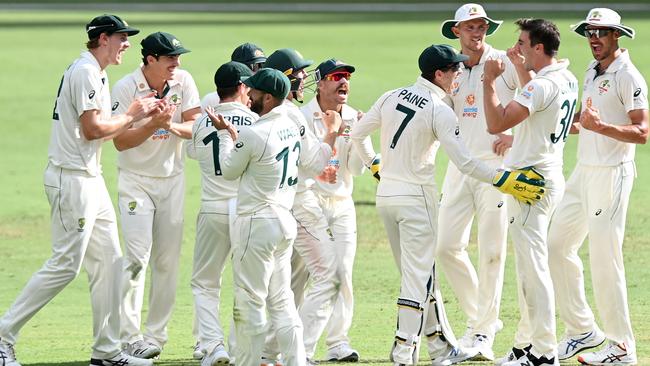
[599, 33]
[256, 66]
[336, 76]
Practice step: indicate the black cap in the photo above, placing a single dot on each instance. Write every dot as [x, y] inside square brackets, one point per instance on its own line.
[231, 74]
[270, 81]
[329, 66]
[110, 24]
[287, 60]
[436, 57]
[162, 44]
[247, 54]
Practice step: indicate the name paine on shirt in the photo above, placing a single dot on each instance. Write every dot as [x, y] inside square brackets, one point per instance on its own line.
[413, 98]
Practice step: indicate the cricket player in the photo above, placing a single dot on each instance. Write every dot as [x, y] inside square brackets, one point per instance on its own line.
[248, 54]
[412, 120]
[83, 222]
[151, 188]
[541, 114]
[217, 212]
[332, 193]
[311, 221]
[614, 119]
[266, 156]
[464, 197]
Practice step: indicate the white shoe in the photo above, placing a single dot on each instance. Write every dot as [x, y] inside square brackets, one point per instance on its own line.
[569, 346]
[611, 354]
[121, 359]
[513, 355]
[7, 354]
[343, 353]
[453, 355]
[142, 349]
[198, 352]
[483, 346]
[218, 357]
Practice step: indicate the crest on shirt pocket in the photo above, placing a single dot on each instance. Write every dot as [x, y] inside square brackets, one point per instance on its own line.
[603, 87]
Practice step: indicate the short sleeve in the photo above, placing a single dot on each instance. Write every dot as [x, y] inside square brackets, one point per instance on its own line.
[191, 98]
[120, 98]
[633, 91]
[87, 85]
[533, 96]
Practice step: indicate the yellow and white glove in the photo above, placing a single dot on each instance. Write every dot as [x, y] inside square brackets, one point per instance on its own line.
[375, 166]
[523, 184]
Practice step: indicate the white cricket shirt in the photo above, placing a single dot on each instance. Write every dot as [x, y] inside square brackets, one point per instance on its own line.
[204, 147]
[84, 87]
[619, 90]
[266, 157]
[412, 120]
[551, 98]
[161, 155]
[467, 102]
[346, 160]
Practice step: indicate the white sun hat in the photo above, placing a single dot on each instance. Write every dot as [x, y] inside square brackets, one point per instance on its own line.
[603, 17]
[465, 13]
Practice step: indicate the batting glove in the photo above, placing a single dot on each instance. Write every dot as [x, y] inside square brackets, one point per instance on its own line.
[375, 166]
[523, 184]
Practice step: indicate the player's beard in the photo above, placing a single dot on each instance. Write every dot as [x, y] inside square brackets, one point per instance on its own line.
[257, 105]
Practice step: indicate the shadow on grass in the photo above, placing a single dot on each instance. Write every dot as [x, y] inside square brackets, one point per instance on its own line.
[85, 363]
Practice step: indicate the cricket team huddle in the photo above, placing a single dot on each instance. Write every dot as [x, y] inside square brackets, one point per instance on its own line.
[276, 196]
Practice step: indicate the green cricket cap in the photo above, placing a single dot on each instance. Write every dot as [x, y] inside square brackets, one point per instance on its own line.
[270, 81]
[436, 57]
[287, 60]
[248, 53]
[162, 44]
[109, 24]
[231, 74]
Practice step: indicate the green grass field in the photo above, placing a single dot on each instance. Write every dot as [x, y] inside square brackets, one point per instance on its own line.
[38, 46]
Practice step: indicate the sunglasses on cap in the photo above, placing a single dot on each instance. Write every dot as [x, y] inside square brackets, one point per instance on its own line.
[599, 33]
[337, 76]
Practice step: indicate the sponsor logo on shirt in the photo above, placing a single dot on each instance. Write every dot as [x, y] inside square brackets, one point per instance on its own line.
[603, 87]
[346, 133]
[454, 88]
[160, 134]
[91, 94]
[471, 111]
[637, 92]
[115, 105]
[528, 93]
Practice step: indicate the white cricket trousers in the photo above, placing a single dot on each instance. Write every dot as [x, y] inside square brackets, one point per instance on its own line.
[411, 222]
[595, 204]
[329, 302]
[262, 246]
[211, 251]
[84, 231]
[479, 294]
[529, 232]
[151, 212]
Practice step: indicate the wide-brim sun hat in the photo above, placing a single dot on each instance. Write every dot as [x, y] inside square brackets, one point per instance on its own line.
[603, 18]
[465, 13]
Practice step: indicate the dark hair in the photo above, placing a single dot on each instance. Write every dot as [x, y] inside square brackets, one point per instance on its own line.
[144, 59]
[541, 31]
[227, 92]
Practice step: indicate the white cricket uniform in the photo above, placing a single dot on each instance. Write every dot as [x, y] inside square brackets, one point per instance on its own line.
[83, 222]
[595, 203]
[266, 156]
[210, 100]
[151, 189]
[216, 215]
[551, 99]
[412, 120]
[463, 197]
[336, 305]
[312, 227]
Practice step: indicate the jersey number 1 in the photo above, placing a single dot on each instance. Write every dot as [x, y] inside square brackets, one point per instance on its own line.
[213, 137]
